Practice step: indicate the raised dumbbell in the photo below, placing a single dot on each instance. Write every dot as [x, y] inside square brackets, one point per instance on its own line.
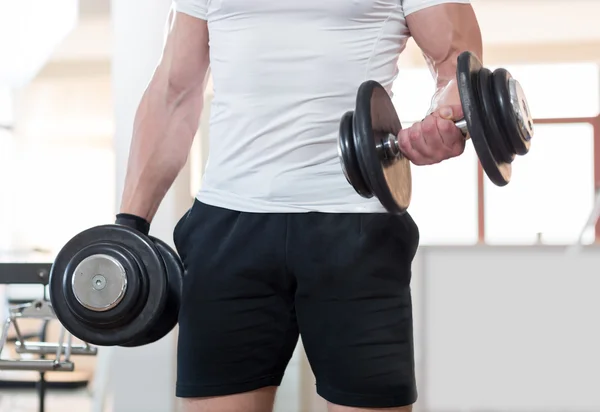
[112, 285]
[496, 118]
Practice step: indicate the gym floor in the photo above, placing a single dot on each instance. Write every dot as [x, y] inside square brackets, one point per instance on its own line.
[80, 400]
[56, 401]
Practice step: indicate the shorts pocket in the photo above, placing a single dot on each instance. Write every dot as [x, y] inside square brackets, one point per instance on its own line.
[400, 232]
[181, 230]
[406, 231]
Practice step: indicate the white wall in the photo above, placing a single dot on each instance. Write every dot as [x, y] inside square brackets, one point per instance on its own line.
[507, 328]
[538, 21]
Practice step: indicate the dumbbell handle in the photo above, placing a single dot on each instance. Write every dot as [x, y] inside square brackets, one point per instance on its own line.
[462, 125]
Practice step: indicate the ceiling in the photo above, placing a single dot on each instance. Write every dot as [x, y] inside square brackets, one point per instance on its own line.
[94, 8]
[504, 23]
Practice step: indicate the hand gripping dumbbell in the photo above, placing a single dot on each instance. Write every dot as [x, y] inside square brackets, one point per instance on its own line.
[496, 118]
[114, 285]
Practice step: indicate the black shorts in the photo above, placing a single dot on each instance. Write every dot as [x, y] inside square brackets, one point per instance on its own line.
[255, 281]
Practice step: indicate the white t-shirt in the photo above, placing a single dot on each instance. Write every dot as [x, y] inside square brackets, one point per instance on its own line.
[284, 72]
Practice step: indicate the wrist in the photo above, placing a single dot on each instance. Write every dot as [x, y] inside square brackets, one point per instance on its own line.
[135, 222]
[446, 94]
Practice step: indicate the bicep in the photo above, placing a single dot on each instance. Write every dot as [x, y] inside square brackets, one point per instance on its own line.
[185, 59]
[443, 28]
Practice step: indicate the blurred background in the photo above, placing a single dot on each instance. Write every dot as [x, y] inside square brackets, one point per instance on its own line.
[506, 319]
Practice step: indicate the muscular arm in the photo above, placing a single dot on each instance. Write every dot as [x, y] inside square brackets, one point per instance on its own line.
[442, 32]
[167, 117]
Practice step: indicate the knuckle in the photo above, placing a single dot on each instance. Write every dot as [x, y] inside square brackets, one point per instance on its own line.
[414, 134]
[404, 143]
[428, 126]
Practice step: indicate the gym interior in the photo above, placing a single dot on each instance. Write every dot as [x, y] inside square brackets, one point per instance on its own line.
[505, 282]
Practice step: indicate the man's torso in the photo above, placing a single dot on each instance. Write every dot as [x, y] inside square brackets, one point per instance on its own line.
[284, 72]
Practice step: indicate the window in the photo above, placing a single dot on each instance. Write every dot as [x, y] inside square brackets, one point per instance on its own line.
[552, 188]
[444, 204]
[560, 90]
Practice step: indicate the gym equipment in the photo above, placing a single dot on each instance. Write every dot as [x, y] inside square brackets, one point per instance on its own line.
[63, 349]
[112, 285]
[170, 314]
[497, 119]
[23, 352]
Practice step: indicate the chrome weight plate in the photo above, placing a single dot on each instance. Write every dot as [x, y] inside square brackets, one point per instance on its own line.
[376, 126]
[514, 115]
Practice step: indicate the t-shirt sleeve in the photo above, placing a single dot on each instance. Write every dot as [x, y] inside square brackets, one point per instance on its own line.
[411, 6]
[194, 8]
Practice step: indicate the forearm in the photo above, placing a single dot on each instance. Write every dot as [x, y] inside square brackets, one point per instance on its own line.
[164, 128]
[443, 32]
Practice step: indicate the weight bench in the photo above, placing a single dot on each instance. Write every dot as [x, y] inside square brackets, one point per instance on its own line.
[34, 269]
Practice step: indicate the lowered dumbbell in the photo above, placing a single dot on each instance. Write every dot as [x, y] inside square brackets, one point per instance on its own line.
[112, 285]
[496, 118]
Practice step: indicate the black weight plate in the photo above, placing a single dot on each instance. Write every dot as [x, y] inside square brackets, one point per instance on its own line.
[499, 145]
[135, 294]
[467, 70]
[520, 139]
[144, 251]
[348, 159]
[169, 318]
[375, 118]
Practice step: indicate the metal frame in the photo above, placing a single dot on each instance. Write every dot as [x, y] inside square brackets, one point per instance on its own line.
[53, 356]
[24, 273]
[63, 349]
